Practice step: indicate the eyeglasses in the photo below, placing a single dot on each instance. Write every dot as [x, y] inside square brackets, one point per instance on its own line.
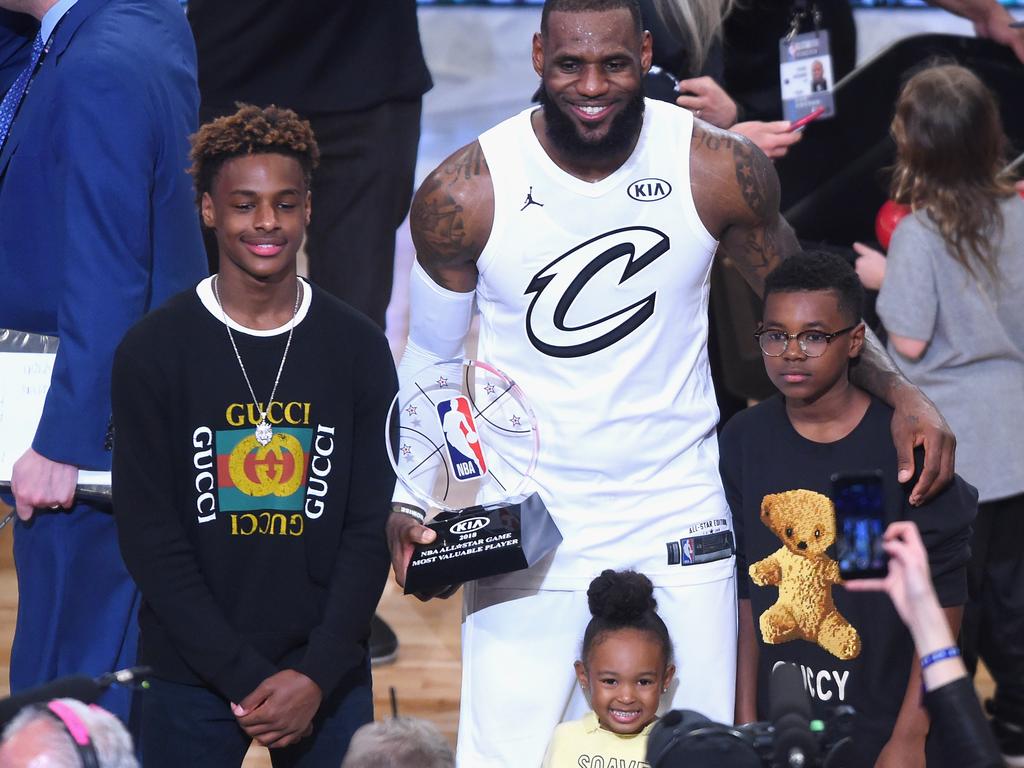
[774, 343]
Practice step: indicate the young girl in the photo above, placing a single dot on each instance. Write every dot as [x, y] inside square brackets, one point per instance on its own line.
[951, 301]
[624, 668]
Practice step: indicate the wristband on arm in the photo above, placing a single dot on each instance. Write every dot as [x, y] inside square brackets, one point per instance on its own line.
[940, 655]
[415, 513]
[439, 320]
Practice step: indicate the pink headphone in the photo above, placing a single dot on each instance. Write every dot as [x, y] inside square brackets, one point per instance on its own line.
[76, 728]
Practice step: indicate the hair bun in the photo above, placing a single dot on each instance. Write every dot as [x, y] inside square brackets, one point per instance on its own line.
[621, 597]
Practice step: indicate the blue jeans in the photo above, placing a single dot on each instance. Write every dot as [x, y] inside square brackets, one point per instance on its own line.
[191, 725]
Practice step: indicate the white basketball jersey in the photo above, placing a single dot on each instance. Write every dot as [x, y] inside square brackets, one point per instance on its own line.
[594, 299]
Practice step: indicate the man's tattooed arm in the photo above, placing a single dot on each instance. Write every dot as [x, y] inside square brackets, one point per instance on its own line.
[451, 218]
[754, 236]
[761, 247]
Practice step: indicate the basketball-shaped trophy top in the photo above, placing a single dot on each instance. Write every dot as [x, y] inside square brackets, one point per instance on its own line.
[462, 434]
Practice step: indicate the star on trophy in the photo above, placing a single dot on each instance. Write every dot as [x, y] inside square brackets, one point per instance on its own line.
[463, 441]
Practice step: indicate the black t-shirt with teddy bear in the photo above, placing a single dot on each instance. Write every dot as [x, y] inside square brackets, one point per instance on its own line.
[852, 648]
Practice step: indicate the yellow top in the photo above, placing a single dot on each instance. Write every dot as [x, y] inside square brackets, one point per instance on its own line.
[584, 743]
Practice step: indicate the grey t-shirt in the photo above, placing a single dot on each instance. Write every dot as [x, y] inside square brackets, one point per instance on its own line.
[973, 368]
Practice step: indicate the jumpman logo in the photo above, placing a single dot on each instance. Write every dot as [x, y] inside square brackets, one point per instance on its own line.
[530, 201]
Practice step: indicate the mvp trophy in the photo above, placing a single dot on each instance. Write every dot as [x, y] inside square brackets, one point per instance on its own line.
[463, 441]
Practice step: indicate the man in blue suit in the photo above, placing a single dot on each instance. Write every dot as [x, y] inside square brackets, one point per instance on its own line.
[97, 226]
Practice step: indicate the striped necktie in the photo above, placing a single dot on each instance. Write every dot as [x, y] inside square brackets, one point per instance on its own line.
[11, 102]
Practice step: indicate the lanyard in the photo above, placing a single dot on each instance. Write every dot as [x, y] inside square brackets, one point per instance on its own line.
[803, 10]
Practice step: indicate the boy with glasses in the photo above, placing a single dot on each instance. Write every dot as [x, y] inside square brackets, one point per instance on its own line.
[777, 460]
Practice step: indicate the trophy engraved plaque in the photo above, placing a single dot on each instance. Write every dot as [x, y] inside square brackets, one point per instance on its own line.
[464, 441]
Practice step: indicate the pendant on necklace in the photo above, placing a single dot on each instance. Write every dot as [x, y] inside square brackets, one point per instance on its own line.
[264, 432]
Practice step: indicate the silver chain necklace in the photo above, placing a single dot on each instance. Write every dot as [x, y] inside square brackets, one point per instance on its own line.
[264, 432]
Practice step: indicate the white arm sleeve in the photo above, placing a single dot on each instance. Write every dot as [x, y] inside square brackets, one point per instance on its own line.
[439, 321]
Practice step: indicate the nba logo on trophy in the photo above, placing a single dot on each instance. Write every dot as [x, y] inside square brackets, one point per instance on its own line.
[465, 453]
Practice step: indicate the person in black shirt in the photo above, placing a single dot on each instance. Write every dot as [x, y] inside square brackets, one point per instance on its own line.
[740, 80]
[777, 459]
[251, 478]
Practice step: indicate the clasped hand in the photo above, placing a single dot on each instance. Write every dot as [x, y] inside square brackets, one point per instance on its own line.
[280, 711]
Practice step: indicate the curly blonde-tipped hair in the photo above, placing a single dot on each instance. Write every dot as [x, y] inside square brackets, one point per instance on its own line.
[251, 131]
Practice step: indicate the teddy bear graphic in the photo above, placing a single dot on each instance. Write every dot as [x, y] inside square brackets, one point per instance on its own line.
[805, 522]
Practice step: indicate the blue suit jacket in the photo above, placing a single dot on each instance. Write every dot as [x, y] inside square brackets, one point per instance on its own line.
[16, 31]
[97, 220]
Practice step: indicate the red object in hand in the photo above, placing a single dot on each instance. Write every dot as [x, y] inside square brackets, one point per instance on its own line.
[889, 215]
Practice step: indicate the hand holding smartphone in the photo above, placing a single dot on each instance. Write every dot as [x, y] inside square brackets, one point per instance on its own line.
[859, 499]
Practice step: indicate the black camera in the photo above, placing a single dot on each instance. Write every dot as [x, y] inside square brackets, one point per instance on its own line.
[685, 739]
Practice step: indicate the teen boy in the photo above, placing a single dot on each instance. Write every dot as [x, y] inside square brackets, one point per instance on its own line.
[776, 461]
[251, 479]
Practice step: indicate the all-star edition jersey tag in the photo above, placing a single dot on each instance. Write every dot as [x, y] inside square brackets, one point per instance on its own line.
[704, 542]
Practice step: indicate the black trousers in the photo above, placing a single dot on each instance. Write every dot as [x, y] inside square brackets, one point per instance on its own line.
[993, 626]
[361, 194]
[190, 725]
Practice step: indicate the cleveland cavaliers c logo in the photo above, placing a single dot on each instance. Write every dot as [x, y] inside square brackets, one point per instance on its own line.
[558, 285]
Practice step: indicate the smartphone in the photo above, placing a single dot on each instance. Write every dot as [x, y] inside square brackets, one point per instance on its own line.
[798, 125]
[859, 499]
[661, 84]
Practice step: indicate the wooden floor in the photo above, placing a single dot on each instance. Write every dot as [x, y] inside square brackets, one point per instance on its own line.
[8, 603]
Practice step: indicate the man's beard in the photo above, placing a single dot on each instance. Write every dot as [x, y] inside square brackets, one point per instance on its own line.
[621, 135]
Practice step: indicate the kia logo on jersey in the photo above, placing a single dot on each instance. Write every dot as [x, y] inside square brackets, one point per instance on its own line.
[465, 454]
[649, 190]
[558, 285]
